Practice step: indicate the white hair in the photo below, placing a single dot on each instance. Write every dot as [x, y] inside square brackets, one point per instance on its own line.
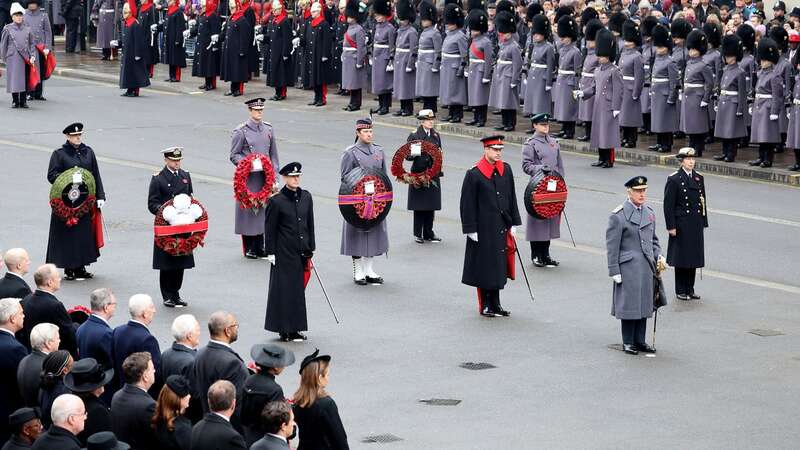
[138, 304]
[43, 333]
[183, 325]
[8, 307]
[100, 298]
[65, 405]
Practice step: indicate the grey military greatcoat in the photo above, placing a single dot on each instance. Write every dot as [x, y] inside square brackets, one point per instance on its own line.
[357, 242]
[713, 60]
[405, 63]
[104, 11]
[785, 68]
[664, 95]
[632, 251]
[541, 150]
[732, 106]
[481, 61]
[698, 85]
[608, 92]
[769, 101]
[565, 106]
[632, 67]
[452, 84]
[382, 54]
[648, 56]
[793, 133]
[428, 62]
[541, 62]
[354, 55]
[586, 105]
[16, 47]
[253, 137]
[506, 78]
[39, 23]
[748, 65]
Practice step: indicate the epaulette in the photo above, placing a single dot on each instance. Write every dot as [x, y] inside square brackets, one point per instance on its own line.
[155, 174]
[617, 209]
[266, 123]
[241, 125]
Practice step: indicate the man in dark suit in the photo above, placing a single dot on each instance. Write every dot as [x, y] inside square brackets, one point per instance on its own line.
[68, 416]
[26, 427]
[44, 340]
[42, 306]
[217, 360]
[11, 353]
[278, 420]
[95, 335]
[215, 431]
[179, 358]
[133, 337]
[132, 408]
[12, 284]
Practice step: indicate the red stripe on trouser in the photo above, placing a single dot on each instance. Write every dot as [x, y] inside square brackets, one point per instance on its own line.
[151, 69]
[480, 300]
[324, 93]
[177, 73]
[283, 91]
[611, 156]
[214, 82]
[241, 88]
[136, 91]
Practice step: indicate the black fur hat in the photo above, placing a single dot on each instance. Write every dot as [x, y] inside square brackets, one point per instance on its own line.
[661, 36]
[732, 46]
[748, 36]
[505, 22]
[382, 7]
[605, 43]
[478, 20]
[588, 14]
[532, 11]
[455, 2]
[680, 28]
[781, 37]
[427, 11]
[697, 40]
[540, 25]
[630, 32]
[568, 27]
[351, 9]
[453, 15]
[476, 4]
[504, 5]
[563, 11]
[648, 23]
[768, 50]
[405, 10]
[590, 32]
[713, 33]
[616, 21]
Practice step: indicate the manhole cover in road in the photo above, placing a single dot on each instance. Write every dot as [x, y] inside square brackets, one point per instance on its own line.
[766, 333]
[441, 401]
[385, 438]
[477, 366]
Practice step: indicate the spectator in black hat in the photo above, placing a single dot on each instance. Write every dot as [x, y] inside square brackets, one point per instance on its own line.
[315, 411]
[278, 420]
[173, 429]
[25, 427]
[87, 380]
[261, 387]
[54, 367]
[105, 440]
[779, 12]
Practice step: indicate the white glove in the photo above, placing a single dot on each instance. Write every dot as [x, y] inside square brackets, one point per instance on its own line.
[703, 104]
[260, 37]
[434, 70]
[256, 28]
[577, 94]
[390, 67]
[186, 33]
[617, 278]
[136, 58]
[716, 109]
[359, 66]
[369, 61]
[271, 259]
[32, 60]
[513, 85]
[524, 81]
[100, 203]
[614, 113]
[473, 236]
[46, 51]
[409, 70]
[296, 42]
[750, 110]
[513, 230]
[114, 43]
[485, 80]
[773, 117]
[193, 22]
[547, 88]
[285, 58]
[154, 27]
[214, 38]
[324, 58]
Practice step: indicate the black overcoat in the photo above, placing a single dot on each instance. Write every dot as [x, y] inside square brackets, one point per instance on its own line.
[234, 64]
[259, 389]
[146, 19]
[253, 56]
[215, 433]
[131, 411]
[424, 198]
[317, 43]
[687, 213]
[174, 53]
[73, 246]
[488, 207]
[206, 53]
[320, 427]
[13, 286]
[218, 362]
[279, 40]
[133, 72]
[289, 235]
[165, 186]
[339, 29]
[57, 438]
[98, 417]
[44, 307]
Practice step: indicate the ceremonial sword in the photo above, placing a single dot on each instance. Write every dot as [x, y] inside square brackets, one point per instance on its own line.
[564, 212]
[522, 266]
[324, 292]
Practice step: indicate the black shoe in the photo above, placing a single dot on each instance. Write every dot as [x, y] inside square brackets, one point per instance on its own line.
[644, 348]
[84, 274]
[383, 111]
[496, 113]
[350, 108]
[694, 296]
[584, 138]
[498, 128]
[550, 262]
[228, 94]
[236, 94]
[275, 98]
[489, 312]
[210, 88]
[719, 157]
[654, 148]
[754, 162]
[69, 275]
[361, 282]
[683, 297]
[202, 87]
[455, 120]
[251, 255]
[180, 303]
[40, 98]
[598, 164]
[398, 113]
[795, 168]
[318, 104]
[539, 262]
[728, 159]
[170, 303]
[664, 150]
[629, 145]
[764, 164]
[709, 139]
[419, 240]
[375, 280]
[480, 124]
[607, 165]
[169, 80]
[312, 103]
[15, 105]
[284, 337]
[502, 312]
[435, 239]
[297, 337]
[629, 349]
[23, 105]
[559, 135]
[472, 122]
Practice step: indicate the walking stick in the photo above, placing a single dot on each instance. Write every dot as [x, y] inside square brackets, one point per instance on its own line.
[655, 325]
[324, 292]
[569, 228]
[522, 266]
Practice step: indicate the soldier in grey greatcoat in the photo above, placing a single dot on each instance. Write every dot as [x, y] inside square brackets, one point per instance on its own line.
[664, 85]
[608, 92]
[382, 55]
[429, 57]
[731, 125]
[540, 61]
[781, 37]
[713, 59]
[570, 60]
[648, 57]
[42, 34]
[698, 86]
[631, 65]
[405, 58]
[16, 50]
[354, 56]
[364, 245]
[452, 83]
[481, 63]
[768, 104]
[507, 77]
[633, 254]
[679, 30]
[586, 105]
[793, 134]
[103, 13]
[748, 64]
[542, 153]
[254, 136]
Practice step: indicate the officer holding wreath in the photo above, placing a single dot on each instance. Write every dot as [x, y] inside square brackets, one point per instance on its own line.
[424, 200]
[72, 244]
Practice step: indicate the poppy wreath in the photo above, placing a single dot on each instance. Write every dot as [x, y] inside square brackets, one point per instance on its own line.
[376, 203]
[246, 198]
[544, 203]
[417, 179]
[172, 239]
[72, 215]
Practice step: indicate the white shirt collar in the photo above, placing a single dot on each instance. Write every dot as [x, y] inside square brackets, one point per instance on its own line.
[221, 415]
[7, 331]
[15, 274]
[103, 319]
[688, 172]
[220, 343]
[141, 323]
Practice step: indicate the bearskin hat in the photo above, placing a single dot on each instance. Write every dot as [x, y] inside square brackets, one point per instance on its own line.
[505, 22]
[533, 10]
[453, 15]
[732, 46]
[748, 36]
[563, 11]
[351, 9]
[568, 27]
[590, 32]
[540, 25]
[504, 5]
[697, 40]
[455, 2]
[476, 4]
[616, 21]
[630, 32]
[648, 23]
[781, 37]
[382, 7]
[427, 11]
[661, 36]
[768, 50]
[478, 20]
[713, 33]
[405, 10]
[605, 43]
[680, 28]
[588, 14]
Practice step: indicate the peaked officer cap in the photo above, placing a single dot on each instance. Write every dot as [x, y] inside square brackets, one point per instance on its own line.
[173, 153]
[293, 169]
[256, 103]
[639, 182]
[686, 152]
[73, 129]
[540, 118]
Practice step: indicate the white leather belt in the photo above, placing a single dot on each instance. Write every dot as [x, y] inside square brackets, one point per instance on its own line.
[106, 10]
[426, 50]
[539, 66]
[349, 49]
[629, 78]
[380, 45]
[796, 102]
[450, 55]
[693, 85]
[402, 50]
[476, 61]
[764, 96]
[646, 66]
[660, 80]
[731, 93]
[590, 75]
[503, 62]
[566, 72]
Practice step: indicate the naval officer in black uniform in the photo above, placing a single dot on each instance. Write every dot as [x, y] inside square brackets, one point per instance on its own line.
[164, 186]
[425, 200]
